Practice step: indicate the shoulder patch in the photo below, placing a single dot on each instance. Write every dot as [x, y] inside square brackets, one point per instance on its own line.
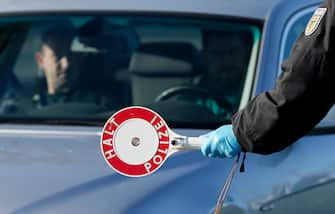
[315, 21]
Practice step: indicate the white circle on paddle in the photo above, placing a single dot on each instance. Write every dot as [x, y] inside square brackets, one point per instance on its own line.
[145, 136]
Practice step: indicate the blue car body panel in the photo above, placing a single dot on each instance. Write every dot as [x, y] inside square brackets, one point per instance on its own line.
[60, 169]
[258, 9]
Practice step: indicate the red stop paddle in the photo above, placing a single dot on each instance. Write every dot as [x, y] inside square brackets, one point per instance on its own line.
[136, 141]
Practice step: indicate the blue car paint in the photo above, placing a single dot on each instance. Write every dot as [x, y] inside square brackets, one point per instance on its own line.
[59, 169]
[257, 9]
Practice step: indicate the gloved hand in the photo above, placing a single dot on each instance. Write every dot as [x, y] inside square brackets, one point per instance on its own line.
[220, 143]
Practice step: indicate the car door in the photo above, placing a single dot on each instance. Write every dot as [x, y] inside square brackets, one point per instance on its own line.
[308, 171]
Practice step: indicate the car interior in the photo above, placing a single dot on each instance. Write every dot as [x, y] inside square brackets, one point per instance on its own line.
[125, 61]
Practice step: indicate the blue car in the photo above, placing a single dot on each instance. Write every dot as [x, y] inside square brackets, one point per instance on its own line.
[67, 66]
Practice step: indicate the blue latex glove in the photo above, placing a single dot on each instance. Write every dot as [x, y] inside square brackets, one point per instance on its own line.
[220, 143]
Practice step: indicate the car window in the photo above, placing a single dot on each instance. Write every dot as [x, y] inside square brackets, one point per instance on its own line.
[84, 68]
[294, 28]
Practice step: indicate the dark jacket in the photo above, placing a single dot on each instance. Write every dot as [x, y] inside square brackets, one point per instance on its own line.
[302, 96]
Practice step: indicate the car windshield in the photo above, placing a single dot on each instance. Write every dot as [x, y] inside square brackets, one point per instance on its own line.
[193, 71]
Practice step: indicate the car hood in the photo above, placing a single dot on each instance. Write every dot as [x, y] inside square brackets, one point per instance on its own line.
[60, 169]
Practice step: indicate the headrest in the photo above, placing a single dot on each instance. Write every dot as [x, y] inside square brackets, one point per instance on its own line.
[100, 35]
[166, 59]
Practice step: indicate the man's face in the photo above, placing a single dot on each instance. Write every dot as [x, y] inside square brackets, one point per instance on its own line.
[56, 69]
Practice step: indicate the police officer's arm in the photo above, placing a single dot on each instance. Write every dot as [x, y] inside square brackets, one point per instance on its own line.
[302, 96]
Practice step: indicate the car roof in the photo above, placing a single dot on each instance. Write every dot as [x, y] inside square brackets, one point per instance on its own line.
[256, 9]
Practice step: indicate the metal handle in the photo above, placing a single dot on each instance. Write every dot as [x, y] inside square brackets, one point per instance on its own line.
[194, 143]
[187, 143]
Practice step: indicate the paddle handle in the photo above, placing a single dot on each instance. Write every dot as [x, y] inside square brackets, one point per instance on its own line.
[188, 143]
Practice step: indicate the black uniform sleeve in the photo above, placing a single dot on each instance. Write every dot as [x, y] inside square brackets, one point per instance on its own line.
[302, 96]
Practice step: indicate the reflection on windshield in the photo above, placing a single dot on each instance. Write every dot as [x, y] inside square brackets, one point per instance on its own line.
[191, 71]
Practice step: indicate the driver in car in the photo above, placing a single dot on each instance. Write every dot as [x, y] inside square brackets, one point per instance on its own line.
[55, 63]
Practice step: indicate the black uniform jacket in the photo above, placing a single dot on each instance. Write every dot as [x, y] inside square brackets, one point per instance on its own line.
[303, 94]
